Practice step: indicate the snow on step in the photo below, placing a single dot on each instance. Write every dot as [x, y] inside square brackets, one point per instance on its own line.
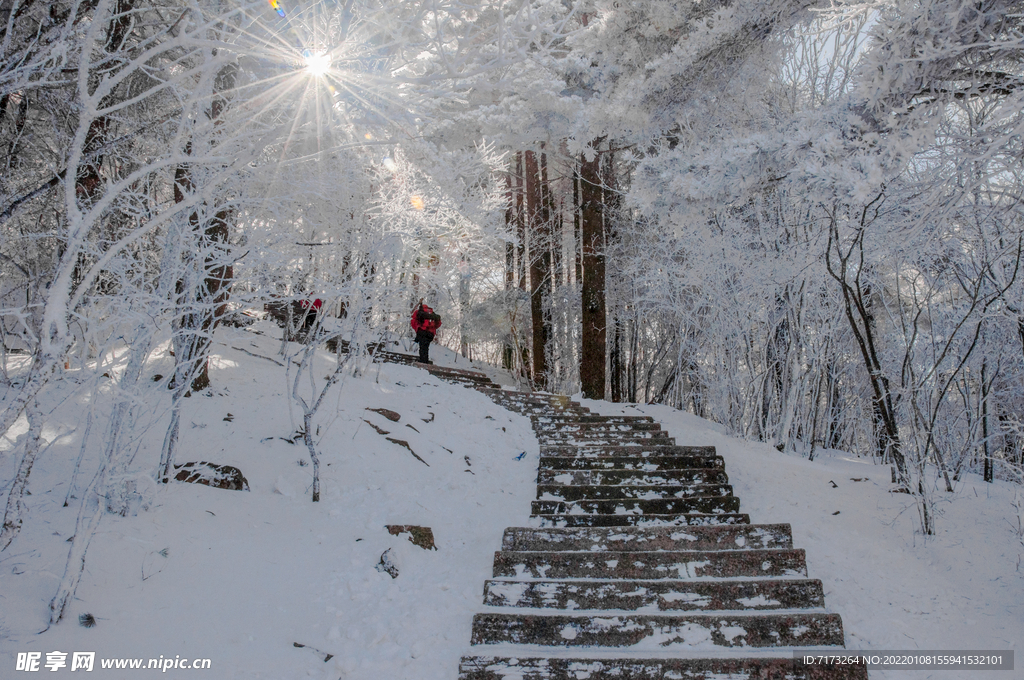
[650, 565]
[649, 463]
[632, 438]
[632, 477]
[592, 418]
[521, 668]
[675, 519]
[648, 539]
[584, 492]
[575, 425]
[643, 449]
[633, 506]
[660, 632]
[656, 596]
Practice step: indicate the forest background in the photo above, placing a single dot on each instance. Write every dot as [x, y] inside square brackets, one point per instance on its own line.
[801, 220]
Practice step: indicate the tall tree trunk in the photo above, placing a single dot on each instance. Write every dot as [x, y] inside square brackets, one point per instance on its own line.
[556, 342]
[633, 366]
[520, 222]
[15, 510]
[615, 364]
[619, 303]
[206, 300]
[524, 350]
[577, 236]
[833, 433]
[987, 463]
[857, 305]
[465, 276]
[540, 269]
[592, 356]
[508, 352]
[201, 296]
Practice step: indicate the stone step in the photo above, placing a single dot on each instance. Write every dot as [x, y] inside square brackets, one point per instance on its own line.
[645, 449]
[462, 379]
[637, 506]
[468, 378]
[657, 596]
[563, 492]
[457, 380]
[675, 519]
[630, 477]
[653, 463]
[590, 427]
[532, 396]
[647, 539]
[458, 372]
[542, 407]
[582, 440]
[616, 432]
[662, 564]
[595, 418]
[632, 668]
[531, 411]
[664, 632]
[598, 434]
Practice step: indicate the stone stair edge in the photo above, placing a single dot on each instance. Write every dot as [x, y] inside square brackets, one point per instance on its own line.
[555, 520]
[647, 666]
[752, 534]
[638, 629]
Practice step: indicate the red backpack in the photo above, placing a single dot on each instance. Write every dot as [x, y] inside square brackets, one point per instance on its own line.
[424, 319]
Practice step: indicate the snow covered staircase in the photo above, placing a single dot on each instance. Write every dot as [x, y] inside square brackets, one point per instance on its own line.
[453, 375]
[642, 566]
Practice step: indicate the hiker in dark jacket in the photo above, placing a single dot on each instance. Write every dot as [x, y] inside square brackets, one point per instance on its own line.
[425, 323]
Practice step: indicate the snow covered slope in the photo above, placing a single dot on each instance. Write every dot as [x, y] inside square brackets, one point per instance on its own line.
[239, 577]
[895, 589]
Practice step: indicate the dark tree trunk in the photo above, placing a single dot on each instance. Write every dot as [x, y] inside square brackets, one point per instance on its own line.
[553, 220]
[857, 304]
[776, 356]
[520, 221]
[832, 413]
[577, 236]
[206, 304]
[508, 353]
[540, 269]
[615, 361]
[987, 463]
[633, 366]
[592, 356]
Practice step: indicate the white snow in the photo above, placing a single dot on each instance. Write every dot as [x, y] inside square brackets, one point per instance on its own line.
[894, 588]
[238, 577]
[247, 574]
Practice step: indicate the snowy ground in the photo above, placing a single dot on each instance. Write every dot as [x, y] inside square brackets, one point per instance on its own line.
[246, 575]
[238, 578]
[896, 590]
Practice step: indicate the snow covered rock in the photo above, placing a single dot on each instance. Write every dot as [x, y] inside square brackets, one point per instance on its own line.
[387, 564]
[210, 474]
[421, 536]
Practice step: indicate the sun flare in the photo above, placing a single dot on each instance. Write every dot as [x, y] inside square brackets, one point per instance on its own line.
[317, 63]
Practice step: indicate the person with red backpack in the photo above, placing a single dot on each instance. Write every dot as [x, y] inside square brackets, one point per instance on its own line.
[425, 323]
[309, 310]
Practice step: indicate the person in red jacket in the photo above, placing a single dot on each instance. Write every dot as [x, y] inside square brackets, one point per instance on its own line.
[425, 323]
[309, 311]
